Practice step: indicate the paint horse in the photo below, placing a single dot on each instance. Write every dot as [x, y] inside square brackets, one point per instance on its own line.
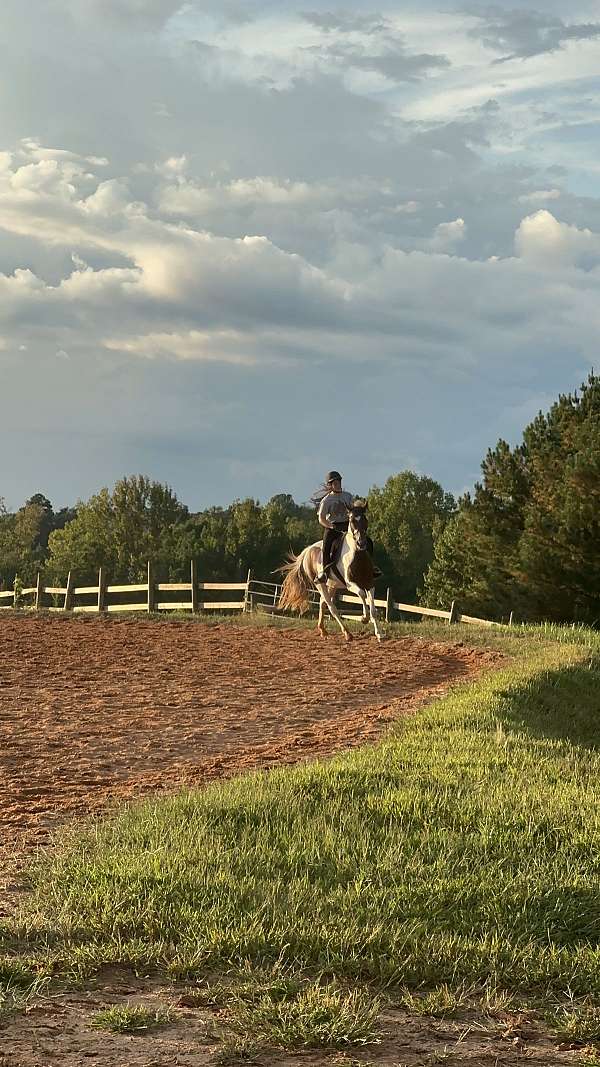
[352, 569]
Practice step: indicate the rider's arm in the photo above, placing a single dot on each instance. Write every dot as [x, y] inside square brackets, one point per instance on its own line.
[322, 515]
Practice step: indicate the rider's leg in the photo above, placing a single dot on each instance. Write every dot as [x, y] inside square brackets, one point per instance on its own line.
[328, 539]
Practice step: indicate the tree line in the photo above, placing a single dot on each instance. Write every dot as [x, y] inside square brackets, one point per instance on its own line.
[141, 520]
[526, 540]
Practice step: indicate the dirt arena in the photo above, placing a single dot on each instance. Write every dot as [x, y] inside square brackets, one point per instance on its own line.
[92, 710]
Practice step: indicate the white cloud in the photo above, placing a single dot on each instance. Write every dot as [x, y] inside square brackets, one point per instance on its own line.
[222, 194]
[540, 196]
[216, 346]
[550, 244]
[448, 235]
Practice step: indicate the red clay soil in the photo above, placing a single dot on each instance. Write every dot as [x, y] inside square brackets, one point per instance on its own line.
[93, 710]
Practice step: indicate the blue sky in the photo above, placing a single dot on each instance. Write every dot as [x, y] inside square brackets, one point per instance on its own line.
[243, 243]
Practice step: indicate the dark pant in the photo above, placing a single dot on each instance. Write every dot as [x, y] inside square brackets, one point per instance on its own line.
[330, 538]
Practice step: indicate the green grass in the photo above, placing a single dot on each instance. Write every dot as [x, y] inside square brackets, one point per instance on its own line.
[461, 852]
[579, 1023]
[315, 1016]
[130, 1019]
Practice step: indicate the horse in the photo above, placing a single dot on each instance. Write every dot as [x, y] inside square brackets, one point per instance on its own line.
[354, 567]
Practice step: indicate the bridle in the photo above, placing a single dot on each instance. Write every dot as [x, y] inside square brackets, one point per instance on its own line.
[357, 525]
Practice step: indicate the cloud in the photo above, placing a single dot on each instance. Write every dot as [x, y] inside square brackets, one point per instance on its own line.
[392, 62]
[538, 196]
[522, 33]
[345, 22]
[218, 346]
[212, 215]
[549, 244]
[384, 51]
[448, 235]
[190, 295]
[147, 14]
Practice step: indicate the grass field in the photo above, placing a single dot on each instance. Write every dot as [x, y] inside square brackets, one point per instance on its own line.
[458, 860]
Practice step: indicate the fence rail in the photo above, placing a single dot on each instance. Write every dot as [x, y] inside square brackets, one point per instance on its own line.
[264, 596]
[257, 596]
[71, 595]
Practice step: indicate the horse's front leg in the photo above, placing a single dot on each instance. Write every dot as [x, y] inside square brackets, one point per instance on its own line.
[363, 598]
[373, 614]
[367, 598]
[328, 597]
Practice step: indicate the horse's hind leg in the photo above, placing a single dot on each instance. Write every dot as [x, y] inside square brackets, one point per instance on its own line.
[321, 623]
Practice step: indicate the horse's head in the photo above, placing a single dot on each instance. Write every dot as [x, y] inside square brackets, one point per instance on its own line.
[357, 523]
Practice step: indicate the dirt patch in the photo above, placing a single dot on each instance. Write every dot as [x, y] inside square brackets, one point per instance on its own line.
[58, 1030]
[94, 710]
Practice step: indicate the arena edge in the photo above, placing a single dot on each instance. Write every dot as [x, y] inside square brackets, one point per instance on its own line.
[461, 852]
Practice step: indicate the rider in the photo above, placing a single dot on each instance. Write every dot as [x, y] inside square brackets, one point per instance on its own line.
[334, 517]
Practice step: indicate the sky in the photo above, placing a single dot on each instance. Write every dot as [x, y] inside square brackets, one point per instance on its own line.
[243, 242]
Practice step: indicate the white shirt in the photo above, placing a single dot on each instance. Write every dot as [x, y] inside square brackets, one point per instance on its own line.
[333, 508]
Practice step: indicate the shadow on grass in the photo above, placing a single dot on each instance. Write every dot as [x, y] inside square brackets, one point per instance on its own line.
[560, 705]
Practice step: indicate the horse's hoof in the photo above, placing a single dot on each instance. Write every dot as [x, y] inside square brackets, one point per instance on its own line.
[347, 636]
[322, 632]
[364, 620]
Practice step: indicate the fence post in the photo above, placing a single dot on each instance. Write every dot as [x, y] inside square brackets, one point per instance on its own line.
[68, 604]
[39, 592]
[510, 619]
[194, 581]
[151, 589]
[454, 613]
[102, 583]
[389, 605]
[247, 598]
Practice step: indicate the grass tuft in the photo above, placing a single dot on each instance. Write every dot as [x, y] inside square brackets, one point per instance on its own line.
[579, 1023]
[315, 1017]
[130, 1019]
[235, 1050]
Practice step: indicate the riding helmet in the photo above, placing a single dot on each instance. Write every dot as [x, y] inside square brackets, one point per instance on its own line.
[333, 476]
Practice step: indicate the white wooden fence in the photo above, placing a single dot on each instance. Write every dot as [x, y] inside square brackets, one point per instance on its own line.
[152, 596]
[264, 596]
[149, 596]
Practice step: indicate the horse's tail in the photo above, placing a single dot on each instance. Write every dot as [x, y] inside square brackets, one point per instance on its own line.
[296, 584]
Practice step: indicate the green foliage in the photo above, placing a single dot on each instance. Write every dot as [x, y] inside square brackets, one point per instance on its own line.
[528, 539]
[20, 544]
[405, 518]
[121, 531]
[229, 542]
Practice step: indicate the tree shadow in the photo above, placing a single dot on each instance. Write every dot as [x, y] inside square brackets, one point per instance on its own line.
[561, 705]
